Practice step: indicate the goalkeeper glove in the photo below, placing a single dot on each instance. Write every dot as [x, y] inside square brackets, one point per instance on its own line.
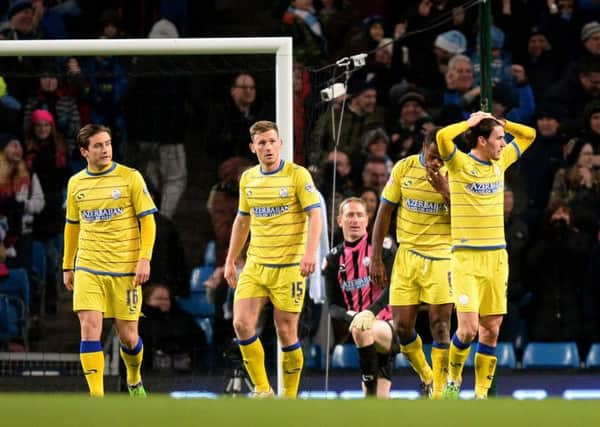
[363, 321]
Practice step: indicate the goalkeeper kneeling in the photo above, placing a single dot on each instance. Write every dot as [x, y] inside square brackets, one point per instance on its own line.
[357, 303]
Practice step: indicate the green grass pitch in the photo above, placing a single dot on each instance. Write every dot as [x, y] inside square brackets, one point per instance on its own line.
[160, 410]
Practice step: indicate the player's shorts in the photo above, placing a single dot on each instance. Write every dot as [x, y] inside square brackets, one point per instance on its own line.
[479, 280]
[416, 279]
[284, 286]
[115, 296]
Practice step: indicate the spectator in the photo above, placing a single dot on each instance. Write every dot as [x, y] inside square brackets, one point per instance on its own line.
[541, 162]
[375, 174]
[51, 97]
[301, 22]
[46, 157]
[375, 144]
[360, 115]
[222, 207]
[371, 199]
[172, 340]
[557, 264]
[159, 128]
[28, 191]
[405, 134]
[10, 110]
[542, 64]
[229, 123]
[501, 61]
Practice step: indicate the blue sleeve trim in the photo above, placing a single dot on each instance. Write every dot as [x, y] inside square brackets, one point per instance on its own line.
[148, 212]
[451, 155]
[316, 205]
[389, 202]
[514, 144]
[72, 222]
[243, 213]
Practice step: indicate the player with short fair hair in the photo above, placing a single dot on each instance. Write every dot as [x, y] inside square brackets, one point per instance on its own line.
[479, 265]
[280, 208]
[419, 188]
[109, 237]
[356, 300]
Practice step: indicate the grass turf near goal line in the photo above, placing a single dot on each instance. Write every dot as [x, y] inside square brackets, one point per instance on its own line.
[161, 410]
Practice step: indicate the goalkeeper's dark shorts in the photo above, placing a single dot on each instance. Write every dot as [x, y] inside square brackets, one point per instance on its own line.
[386, 361]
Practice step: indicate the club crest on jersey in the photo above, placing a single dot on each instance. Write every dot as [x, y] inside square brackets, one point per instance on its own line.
[283, 192]
[366, 261]
[309, 187]
[116, 194]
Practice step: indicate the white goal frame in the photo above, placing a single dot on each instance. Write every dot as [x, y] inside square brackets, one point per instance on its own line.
[281, 47]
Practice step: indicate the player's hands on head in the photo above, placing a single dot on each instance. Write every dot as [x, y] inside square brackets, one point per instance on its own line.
[363, 321]
[378, 273]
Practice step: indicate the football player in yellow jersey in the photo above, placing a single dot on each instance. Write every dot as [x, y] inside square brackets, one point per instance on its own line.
[109, 237]
[280, 208]
[479, 266]
[418, 187]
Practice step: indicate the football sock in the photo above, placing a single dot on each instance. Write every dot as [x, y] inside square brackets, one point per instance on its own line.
[459, 352]
[439, 361]
[413, 351]
[485, 367]
[253, 355]
[292, 361]
[133, 361]
[92, 363]
[369, 364]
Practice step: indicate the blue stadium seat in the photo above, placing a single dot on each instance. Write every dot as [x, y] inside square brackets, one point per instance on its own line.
[345, 356]
[553, 355]
[16, 285]
[199, 276]
[205, 323]
[505, 352]
[313, 356]
[5, 326]
[593, 357]
[38, 262]
[197, 305]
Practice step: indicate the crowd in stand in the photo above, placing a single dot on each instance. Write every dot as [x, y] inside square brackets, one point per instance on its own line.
[545, 70]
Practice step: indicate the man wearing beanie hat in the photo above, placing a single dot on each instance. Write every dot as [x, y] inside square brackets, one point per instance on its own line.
[590, 38]
[20, 19]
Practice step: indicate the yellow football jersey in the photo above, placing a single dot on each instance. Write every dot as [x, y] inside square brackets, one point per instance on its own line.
[477, 187]
[423, 220]
[277, 203]
[107, 206]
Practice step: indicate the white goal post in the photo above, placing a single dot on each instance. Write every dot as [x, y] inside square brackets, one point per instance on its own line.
[281, 47]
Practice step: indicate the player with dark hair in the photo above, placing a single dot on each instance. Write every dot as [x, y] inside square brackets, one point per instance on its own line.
[479, 265]
[419, 188]
[109, 237]
[280, 208]
[356, 300]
